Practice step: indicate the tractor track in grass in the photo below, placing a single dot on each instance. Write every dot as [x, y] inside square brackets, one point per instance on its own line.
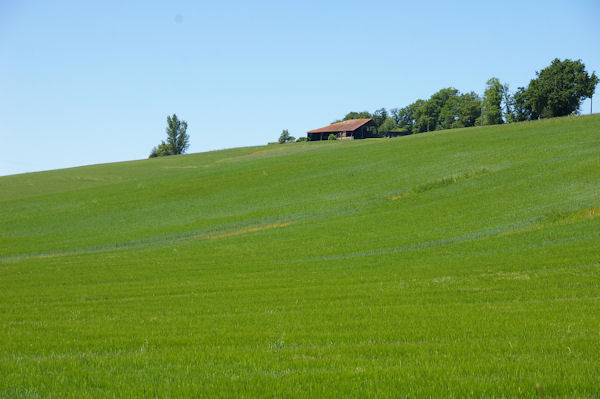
[497, 232]
[143, 243]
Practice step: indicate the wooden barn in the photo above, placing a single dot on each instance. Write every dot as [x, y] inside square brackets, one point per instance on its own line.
[345, 130]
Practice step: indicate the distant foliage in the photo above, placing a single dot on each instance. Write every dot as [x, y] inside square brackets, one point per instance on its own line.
[446, 109]
[519, 107]
[332, 137]
[357, 115]
[558, 90]
[387, 126]
[379, 117]
[492, 102]
[285, 137]
[301, 139]
[178, 140]
[406, 117]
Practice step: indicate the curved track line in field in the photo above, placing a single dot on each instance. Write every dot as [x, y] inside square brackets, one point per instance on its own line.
[275, 150]
[252, 154]
[574, 217]
[445, 181]
[181, 167]
[249, 230]
[142, 243]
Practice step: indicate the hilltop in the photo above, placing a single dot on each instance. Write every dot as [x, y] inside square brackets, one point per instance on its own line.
[462, 262]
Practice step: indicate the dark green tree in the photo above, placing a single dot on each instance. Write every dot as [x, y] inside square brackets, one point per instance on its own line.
[379, 116]
[398, 114]
[519, 107]
[560, 88]
[446, 109]
[435, 113]
[405, 117]
[447, 117]
[468, 110]
[178, 140]
[492, 102]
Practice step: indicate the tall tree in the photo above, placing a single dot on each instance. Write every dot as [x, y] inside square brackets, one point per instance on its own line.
[560, 88]
[177, 137]
[507, 102]
[492, 102]
[178, 140]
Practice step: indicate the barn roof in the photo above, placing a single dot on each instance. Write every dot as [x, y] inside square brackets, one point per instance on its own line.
[344, 126]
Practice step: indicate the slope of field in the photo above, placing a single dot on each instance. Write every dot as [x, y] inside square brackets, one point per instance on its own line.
[459, 263]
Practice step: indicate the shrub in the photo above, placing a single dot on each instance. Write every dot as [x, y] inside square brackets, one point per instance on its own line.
[332, 137]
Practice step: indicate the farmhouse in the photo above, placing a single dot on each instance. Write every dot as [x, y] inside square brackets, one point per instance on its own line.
[345, 130]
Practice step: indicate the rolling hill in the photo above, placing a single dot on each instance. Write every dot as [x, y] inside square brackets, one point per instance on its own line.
[456, 263]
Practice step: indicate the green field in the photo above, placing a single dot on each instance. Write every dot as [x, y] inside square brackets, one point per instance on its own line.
[451, 264]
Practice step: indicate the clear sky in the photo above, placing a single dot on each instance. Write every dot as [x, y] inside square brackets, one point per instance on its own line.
[85, 82]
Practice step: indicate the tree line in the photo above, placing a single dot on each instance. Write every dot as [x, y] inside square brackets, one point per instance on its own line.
[557, 90]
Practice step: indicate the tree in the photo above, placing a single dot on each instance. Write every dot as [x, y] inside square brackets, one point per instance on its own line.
[447, 116]
[492, 102]
[285, 137]
[387, 126]
[519, 107]
[379, 116]
[468, 110]
[405, 117]
[437, 112]
[507, 101]
[422, 120]
[160, 151]
[178, 140]
[357, 115]
[560, 88]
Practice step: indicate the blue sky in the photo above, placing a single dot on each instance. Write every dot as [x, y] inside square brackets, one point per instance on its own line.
[93, 82]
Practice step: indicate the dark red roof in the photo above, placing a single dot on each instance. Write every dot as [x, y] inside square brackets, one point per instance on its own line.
[344, 126]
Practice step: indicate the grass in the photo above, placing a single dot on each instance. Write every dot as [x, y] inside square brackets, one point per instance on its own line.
[463, 263]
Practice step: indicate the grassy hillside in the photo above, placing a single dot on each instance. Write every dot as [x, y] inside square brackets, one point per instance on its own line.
[458, 263]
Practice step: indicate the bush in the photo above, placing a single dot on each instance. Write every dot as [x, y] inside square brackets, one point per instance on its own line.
[301, 139]
[332, 137]
[163, 149]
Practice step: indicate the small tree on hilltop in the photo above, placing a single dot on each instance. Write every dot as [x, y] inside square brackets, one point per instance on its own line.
[285, 137]
[178, 140]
